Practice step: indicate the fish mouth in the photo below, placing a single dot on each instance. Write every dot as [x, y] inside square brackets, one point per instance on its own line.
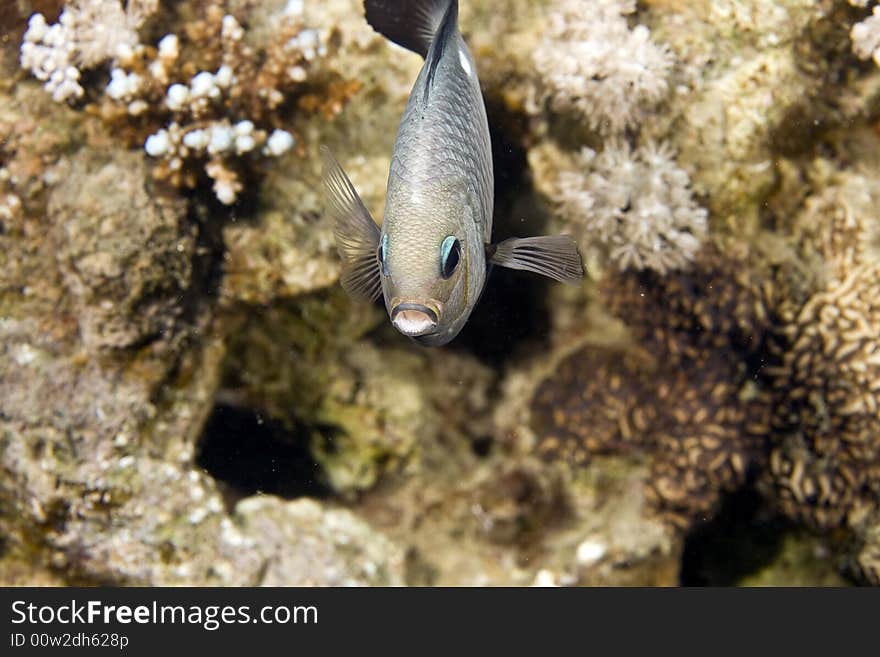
[414, 319]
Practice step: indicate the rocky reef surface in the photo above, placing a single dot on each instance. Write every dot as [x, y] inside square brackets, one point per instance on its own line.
[188, 397]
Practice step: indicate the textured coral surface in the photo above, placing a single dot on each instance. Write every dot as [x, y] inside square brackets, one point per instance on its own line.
[188, 397]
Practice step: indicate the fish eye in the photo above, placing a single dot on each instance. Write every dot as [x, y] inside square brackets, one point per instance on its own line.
[450, 255]
[381, 253]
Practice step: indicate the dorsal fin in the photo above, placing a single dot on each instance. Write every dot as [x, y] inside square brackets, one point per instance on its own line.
[409, 23]
[448, 24]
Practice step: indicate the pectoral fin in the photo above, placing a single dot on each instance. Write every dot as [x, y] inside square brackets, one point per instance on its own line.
[554, 256]
[357, 235]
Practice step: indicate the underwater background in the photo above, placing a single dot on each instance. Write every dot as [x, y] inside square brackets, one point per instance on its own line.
[187, 396]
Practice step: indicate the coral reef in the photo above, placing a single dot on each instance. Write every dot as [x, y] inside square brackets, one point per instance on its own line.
[825, 460]
[746, 367]
[756, 80]
[114, 356]
[334, 547]
[231, 108]
[169, 301]
[366, 410]
[88, 33]
[829, 468]
[512, 527]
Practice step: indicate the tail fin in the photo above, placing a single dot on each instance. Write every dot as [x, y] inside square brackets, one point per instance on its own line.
[409, 23]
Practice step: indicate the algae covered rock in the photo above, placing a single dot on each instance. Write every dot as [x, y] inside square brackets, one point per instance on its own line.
[364, 409]
[125, 253]
[802, 560]
[301, 543]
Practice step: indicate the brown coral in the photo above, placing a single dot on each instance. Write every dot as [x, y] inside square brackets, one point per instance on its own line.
[750, 370]
[720, 303]
[689, 418]
[591, 405]
[825, 458]
[827, 465]
[680, 397]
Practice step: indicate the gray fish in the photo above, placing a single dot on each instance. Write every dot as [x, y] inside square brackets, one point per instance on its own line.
[430, 257]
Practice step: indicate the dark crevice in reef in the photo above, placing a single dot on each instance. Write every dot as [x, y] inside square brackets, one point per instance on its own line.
[513, 309]
[740, 540]
[207, 265]
[827, 56]
[482, 446]
[250, 453]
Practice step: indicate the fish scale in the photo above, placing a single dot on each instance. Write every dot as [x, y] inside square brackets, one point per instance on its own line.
[430, 258]
[447, 137]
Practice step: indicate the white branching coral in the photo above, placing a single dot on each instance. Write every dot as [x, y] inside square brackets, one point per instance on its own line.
[10, 207]
[217, 140]
[591, 62]
[638, 204]
[49, 54]
[206, 100]
[87, 34]
[201, 127]
[865, 36]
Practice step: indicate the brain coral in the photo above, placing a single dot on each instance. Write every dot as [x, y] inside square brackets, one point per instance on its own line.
[825, 461]
[824, 464]
[752, 366]
[828, 389]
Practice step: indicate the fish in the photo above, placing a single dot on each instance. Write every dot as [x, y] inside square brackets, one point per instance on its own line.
[431, 256]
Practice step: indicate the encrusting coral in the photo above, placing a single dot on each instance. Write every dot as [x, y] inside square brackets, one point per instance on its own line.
[127, 259]
[680, 396]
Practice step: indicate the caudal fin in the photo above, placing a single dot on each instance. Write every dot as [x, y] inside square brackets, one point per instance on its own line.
[357, 236]
[408, 23]
[554, 256]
